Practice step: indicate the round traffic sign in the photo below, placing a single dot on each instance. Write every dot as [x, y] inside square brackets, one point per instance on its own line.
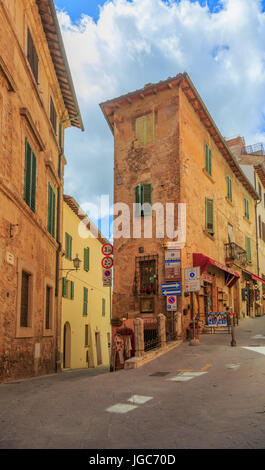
[107, 273]
[192, 275]
[107, 249]
[171, 299]
[107, 262]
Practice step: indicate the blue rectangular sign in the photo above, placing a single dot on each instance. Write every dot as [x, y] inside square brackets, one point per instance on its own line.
[173, 288]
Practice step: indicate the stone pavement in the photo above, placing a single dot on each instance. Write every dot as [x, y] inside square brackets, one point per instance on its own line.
[206, 396]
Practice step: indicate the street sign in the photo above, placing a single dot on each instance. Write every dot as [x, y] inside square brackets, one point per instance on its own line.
[107, 274]
[192, 279]
[172, 265]
[107, 262]
[171, 288]
[107, 282]
[171, 303]
[171, 245]
[107, 249]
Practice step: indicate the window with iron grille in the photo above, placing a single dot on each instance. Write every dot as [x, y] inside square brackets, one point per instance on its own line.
[24, 305]
[32, 57]
[146, 275]
[53, 116]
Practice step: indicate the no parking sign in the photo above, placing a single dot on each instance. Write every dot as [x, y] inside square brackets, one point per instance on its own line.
[172, 303]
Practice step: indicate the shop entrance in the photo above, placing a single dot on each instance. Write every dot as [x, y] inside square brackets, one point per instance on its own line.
[208, 299]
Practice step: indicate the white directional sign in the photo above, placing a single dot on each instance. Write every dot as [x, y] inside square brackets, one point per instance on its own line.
[192, 279]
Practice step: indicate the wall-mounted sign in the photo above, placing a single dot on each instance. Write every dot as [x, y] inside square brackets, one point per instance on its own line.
[107, 262]
[192, 279]
[107, 249]
[172, 303]
[172, 265]
[171, 288]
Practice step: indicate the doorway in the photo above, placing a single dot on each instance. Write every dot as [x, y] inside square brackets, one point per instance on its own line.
[98, 349]
[67, 346]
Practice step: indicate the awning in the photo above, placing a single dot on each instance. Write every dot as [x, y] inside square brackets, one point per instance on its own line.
[257, 278]
[203, 261]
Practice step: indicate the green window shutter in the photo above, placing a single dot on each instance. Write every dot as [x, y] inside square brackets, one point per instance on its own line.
[103, 307]
[208, 159]
[85, 301]
[33, 183]
[209, 215]
[64, 291]
[86, 259]
[248, 249]
[68, 246]
[147, 198]
[246, 207]
[51, 210]
[229, 188]
[72, 290]
[30, 177]
[138, 200]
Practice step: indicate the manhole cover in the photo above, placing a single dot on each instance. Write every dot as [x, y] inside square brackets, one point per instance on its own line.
[159, 374]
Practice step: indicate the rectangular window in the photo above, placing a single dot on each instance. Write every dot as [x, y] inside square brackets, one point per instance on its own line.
[53, 116]
[148, 282]
[32, 57]
[24, 306]
[208, 159]
[246, 208]
[85, 298]
[48, 307]
[229, 188]
[248, 249]
[103, 307]
[144, 129]
[86, 335]
[30, 177]
[72, 294]
[209, 215]
[68, 246]
[64, 290]
[51, 211]
[143, 195]
[86, 259]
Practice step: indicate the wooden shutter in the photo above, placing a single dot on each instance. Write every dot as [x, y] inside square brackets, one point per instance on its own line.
[27, 180]
[85, 301]
[64, 291]
[149, 128]
[229, 188]
[33, 182]
[208, 159]
[138, 200]
[260, 228]
[72, 290]
[246, 207]
[86, 335]
[32, 57]
[147, 198]
[68, 246]
[24, 305]
[48, 305]
[248, 249]
[51, 210]
[103, 307]
[86, 259]
[144, 129]
[209, 215]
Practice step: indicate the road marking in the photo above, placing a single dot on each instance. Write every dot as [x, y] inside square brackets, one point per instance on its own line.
[193, 374]
[180, 379]
[186, 375]
[258, 337]
[232, 366]
[206, 367]
[258, 349]
[121, 408]
[139, 399]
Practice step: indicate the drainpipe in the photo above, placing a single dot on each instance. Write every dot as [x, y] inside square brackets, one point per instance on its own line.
[58, 252]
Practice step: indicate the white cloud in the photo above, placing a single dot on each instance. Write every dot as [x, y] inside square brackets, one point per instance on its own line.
[144, 41]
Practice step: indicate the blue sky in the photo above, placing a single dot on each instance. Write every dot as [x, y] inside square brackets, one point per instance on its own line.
[125, 44]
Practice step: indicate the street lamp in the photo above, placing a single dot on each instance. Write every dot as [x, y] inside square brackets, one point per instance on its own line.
[76, 263]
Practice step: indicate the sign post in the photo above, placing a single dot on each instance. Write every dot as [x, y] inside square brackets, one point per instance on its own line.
[192, 281]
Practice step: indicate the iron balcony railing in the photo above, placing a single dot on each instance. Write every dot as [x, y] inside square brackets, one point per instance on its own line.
[256, 149]
[234, 252]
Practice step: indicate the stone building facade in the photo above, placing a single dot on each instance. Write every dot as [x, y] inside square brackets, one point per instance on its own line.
[37, 103]
[168, 149]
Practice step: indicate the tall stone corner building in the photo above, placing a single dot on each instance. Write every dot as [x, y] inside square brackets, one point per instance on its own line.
[168, 149]
[37, 104]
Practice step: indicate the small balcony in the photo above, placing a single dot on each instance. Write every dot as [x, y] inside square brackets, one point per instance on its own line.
[234, 252]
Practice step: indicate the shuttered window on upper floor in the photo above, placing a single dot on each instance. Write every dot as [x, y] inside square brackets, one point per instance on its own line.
[85, 300]
[86, 259]
[229, 188]
[53, 115]
[30, 176]
[246, 208]
[209, 215]
[208, 159]
[103, 307]
[51, 210]
[32, 57]
[68, 246]
[143, 195]
[145, 129]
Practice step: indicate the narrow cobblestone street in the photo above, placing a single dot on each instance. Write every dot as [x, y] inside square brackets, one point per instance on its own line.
[206, 396]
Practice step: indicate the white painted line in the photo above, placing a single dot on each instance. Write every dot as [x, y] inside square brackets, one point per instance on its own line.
[139, 399]
[258, 349]
[180, 379]
[121, 408]
[258, 337]
[232, 366]
[192, 374]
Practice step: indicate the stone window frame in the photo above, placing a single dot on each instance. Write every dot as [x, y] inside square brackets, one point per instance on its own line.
[49, 283]
[28, 331]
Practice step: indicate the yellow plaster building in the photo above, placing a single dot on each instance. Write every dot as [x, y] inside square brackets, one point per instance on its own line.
[86, 330]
